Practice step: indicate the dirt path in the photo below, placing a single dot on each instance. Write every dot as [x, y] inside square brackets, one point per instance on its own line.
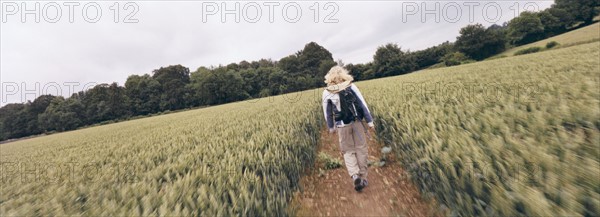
[390, 192]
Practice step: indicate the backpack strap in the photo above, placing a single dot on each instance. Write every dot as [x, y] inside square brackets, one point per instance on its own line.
[330, 104]
[357, 119]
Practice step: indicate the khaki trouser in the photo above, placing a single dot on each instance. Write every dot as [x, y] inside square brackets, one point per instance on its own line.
[353, 144]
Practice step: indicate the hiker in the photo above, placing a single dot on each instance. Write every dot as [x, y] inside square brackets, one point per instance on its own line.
[344, 108]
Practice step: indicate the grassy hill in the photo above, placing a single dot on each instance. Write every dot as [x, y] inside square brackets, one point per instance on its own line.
[586, 34]
[511, 136]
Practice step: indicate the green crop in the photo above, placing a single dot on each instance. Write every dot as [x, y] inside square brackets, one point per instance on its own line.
[505, 137]
[241, 159]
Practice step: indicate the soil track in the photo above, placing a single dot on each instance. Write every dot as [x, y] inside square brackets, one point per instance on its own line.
[390, 191]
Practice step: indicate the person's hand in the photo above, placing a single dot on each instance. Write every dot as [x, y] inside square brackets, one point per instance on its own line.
[331, 130]
[371, 127]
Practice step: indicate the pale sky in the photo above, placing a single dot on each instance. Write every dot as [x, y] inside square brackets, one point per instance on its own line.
[57, 56]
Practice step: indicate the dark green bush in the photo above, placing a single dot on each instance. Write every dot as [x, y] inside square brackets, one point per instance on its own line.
[329, 162]
[528, 50]
[453, 59]
[551, 44]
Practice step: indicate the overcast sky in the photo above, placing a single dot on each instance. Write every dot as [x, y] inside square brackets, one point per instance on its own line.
[55, 53]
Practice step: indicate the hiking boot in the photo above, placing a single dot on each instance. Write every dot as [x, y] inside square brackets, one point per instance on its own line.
[364, 183]
[358, 183]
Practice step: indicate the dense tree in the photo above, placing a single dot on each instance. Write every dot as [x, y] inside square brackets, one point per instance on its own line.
[496, 40]
[277, 83]
[118, 102]
[219, 86]
[40, 104]
[306, 67]
[478, 43]
[263, 81]
[233, 67]
[173, 81]
[254, 81]
[315, 61]
[195, 86]
[580, 10]
[14, 124]
[264, 63]
[555, 21]
[105, 102]
[290, 64]
[62, 115]
[390, 60]
[245, 65]
[525, 28]
[432, 55]
[33, 110]
[144, 94]
[471, 40]
[360, 71]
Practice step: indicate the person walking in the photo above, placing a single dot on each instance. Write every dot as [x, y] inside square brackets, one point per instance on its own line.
[345, 108]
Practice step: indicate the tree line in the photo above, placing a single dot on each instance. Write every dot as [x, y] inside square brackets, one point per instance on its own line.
[175, 87]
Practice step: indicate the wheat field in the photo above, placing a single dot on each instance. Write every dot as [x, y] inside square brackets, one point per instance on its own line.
[505, 137]
[242, 159]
